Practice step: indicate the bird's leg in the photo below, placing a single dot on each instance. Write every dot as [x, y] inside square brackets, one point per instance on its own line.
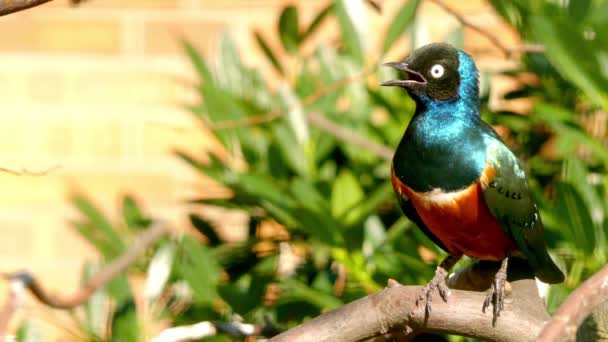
[496, 295]
[438, 282]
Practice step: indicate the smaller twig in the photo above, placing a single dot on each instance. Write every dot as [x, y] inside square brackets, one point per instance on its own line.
[211, 328]
[101, 278]
[350, 136]
[572, 312]
[12, 6]
[13, 301]
[26, 172]
[507, 51]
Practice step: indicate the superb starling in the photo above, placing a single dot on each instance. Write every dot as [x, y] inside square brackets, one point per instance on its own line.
[457, 180]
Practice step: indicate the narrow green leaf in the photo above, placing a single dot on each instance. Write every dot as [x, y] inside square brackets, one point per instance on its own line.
[95, 308]
[580, 64]
[576, 218]
[289, 29]
[132, 215]
[317, 21]
[352, 39]
[400, 23]
[268, 52]
[346, 193]
[125, 326]
[199, 267]
[205, 228]
[294, 290]
[100, 222]
[197, 61]
[159, 270]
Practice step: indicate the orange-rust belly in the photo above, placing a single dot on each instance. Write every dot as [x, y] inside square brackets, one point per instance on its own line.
[462, 221]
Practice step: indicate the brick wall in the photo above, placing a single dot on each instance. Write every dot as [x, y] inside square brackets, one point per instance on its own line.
[98, 91]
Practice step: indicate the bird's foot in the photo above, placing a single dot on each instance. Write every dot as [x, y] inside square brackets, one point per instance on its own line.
[496, 294]
[438, 282]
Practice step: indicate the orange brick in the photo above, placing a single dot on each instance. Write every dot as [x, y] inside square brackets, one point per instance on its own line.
[69, 35]
[163, 37]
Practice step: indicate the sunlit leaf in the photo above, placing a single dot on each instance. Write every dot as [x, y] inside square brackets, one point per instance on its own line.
[317, 21]
[289, 28]
[400, 23]
[349, 23]
[346, 193]
[198, 266]
[268, 52]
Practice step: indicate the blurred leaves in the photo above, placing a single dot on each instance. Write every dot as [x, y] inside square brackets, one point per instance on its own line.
[322, 225]
[400, 23]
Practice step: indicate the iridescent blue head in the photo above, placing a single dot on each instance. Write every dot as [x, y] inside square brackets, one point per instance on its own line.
[438, 72]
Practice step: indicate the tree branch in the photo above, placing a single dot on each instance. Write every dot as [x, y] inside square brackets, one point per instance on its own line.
[394, 309]
[26, 172]
[116, 267]
[347, 135]
[12, 6]
[507, 51]
[572, 312]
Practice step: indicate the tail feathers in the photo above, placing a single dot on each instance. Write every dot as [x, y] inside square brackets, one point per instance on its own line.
[546, 270]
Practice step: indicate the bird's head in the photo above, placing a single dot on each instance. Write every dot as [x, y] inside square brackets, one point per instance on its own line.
[437, 71]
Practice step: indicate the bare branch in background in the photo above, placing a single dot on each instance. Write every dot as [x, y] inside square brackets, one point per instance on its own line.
[572, 312]
[348, 135]
[507, 51]
[101, 278]
[26, 172]
[273, 115]
[12, 6]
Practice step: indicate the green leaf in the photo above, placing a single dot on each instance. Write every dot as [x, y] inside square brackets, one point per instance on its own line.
[199, 267]
[400, 23]
[352, 39]
[95, 308]
[99, 229]
[268, 52]
[579, 9]
[205, 228]
[346, 193]
[125, 326]
[289, 28]
[555, 117]
[580, 64]
[132, 215]
[197, 61]
[317, 21]
[294, 290]
[159, 270]
[576, 218]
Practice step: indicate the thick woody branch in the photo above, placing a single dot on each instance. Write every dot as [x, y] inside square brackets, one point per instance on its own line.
[12, 6]
[576, 308]
[394, 309]
[101, 278]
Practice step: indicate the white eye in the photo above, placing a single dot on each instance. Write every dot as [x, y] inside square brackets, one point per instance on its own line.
[437, 70]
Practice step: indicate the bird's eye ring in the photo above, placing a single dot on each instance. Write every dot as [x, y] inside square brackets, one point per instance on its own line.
[437, 70]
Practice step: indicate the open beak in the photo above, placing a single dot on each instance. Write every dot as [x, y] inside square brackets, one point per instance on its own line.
[414, 78]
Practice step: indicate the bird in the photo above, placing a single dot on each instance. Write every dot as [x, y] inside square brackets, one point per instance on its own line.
[457, 180]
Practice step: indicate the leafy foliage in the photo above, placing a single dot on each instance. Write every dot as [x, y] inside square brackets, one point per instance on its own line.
[336, 233]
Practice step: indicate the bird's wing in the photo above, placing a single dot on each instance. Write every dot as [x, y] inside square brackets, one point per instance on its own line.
[410, 212]
[508, 198]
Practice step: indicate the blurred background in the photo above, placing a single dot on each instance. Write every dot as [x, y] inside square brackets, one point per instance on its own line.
[202, 113]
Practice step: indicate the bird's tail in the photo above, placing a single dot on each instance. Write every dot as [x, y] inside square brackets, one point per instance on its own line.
[546, 270]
